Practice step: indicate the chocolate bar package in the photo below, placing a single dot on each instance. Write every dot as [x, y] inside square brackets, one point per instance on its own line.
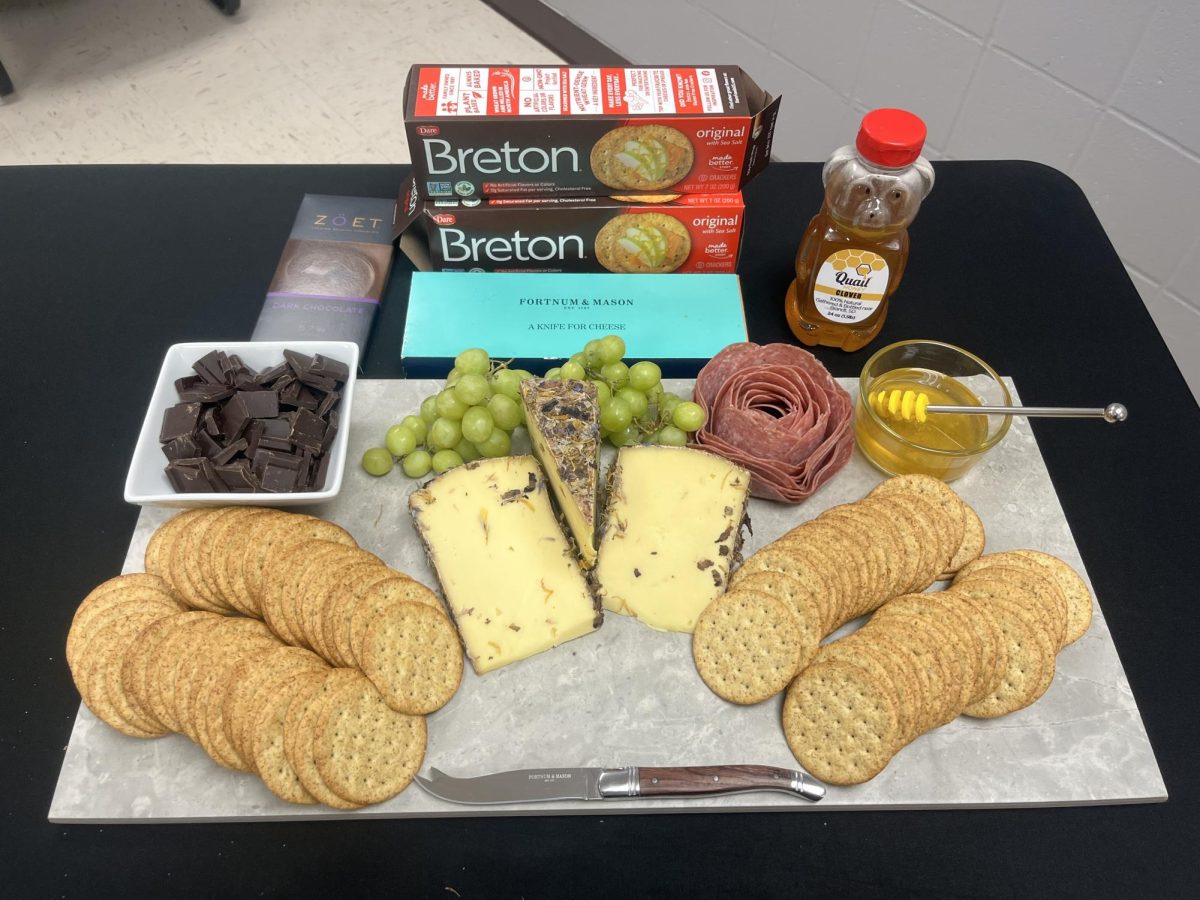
[480, 131]
[675, 233]
[333, 271]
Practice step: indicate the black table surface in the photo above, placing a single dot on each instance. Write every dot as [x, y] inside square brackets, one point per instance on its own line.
[102, 268]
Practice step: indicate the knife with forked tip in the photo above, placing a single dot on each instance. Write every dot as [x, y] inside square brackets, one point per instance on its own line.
[541, 785]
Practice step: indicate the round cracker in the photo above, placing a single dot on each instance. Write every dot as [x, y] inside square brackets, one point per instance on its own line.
[412, 654]
[611, 171]
[1074, 589]
[299, 734]
[239, 703]
[841, 722]
[398, 589]
[365, 751]
[748, 646]
[617, 257]
[813, 575]
[973, 542]
[185, 635]
[267, 739]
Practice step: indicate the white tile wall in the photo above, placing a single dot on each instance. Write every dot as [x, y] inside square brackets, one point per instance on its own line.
[1107, 91]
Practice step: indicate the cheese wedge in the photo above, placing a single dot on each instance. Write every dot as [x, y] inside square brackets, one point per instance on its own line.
[672, 529]
[563, 420]
[509, 576]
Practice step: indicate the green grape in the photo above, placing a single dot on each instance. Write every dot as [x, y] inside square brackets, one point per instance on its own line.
[553, 374]
[591, 354]
[452, 378]
[612, 349]
[472, 390]
[400, 441]
[377, 461]
[638, 404]
[615, 373]
[466, 450]
[449, 406]
[577, 357]
[429, 409]
[418, 426]
[417, 464]
[654, 393]
[497, 444]
[670, 436]
[667, 404]
[644, 375]
[507, 383]
[603, 392]
[625, 437]
[444, 434]
[572, 369]
[444, 460]
[689, 416]
[651, 438]
[616, 415]
[524, 373]
[477, 424]
[473, 362]
[506, 412]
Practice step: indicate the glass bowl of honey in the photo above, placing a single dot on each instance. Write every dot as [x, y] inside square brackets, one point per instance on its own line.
[899, 441]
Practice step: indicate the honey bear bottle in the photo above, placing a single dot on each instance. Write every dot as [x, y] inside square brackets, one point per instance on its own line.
[853, 254]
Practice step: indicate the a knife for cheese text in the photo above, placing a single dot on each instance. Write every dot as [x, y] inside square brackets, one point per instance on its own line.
[539, 785]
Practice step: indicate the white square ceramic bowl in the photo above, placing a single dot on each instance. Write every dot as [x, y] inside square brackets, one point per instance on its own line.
[147, 483]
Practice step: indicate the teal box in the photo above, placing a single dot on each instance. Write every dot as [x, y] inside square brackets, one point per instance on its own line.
[538, 320]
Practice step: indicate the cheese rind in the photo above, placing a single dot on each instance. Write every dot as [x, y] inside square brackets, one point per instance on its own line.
[508, 573]
[563, 420]
[672, 530]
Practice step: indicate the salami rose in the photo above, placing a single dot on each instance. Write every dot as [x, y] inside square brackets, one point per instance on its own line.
[776, 410]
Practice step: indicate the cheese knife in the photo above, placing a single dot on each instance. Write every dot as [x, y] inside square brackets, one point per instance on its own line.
[540, 785]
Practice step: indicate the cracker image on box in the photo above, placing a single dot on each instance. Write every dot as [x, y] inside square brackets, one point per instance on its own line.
[649, 243]
[642, 157]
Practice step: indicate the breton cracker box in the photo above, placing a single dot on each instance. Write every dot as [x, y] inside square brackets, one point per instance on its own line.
[539, 320]
[480, 131]
[684, 233]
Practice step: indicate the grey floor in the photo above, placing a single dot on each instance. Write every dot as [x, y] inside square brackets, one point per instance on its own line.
[283, 81]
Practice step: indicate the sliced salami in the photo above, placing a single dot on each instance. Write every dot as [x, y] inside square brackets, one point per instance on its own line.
[776, 410]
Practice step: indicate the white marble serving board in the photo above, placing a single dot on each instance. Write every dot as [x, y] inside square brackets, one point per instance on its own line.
[628, 695]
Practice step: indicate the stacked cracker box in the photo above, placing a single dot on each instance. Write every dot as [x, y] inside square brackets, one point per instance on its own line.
[578, 169]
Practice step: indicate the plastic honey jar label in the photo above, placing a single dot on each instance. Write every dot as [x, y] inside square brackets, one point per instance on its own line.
[850, 285]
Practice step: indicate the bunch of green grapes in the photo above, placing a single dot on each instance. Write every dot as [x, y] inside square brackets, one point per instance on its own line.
[473, 416]
[476, 413]
[634, 408]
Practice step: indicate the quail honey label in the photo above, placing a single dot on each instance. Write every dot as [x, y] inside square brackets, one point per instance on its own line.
[850, 284]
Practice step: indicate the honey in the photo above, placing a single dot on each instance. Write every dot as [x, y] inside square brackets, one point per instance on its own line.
[945, 445]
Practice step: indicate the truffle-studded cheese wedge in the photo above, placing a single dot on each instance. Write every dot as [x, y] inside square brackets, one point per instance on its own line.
[672, 528]
[508, 573]
[563, 420]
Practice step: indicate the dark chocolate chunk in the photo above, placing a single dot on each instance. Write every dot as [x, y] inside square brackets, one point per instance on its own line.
[266, 376]
[186, 382]
[331, 431]
[289, 394]
[308, 398]
[335, 369]
[267, 458]
[253, 432]
[214, 480]
[209, 367]
[179, 420]
[207, 393]
[328, 402]
[182, 447]
[320, 382]
[187, 477]
[297, 361]
[238, 477]
[208, 445]
[260, 404]
[308, 431]
[266, 442]
[209, 420]
[230, 452]
[317, 481]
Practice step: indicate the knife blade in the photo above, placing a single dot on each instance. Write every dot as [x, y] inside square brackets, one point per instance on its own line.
[541, 785]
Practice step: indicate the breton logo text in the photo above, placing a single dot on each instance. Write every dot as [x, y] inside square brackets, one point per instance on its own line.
[457, 247]
[443, 159]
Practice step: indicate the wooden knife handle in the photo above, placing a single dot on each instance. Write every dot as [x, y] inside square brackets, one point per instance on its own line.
[685, 781]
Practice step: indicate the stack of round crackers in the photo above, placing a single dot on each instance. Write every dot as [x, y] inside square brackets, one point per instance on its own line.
[984, 647]
[315, 588]
[785, 599]
[185, 648]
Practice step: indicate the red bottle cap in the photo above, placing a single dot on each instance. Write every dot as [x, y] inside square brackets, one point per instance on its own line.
[890, 137]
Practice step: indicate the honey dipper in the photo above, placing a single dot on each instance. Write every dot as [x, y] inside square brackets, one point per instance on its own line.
[911, 406]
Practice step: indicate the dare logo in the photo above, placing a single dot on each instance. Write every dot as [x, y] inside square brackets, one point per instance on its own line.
[428, 130]
[444, 218]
